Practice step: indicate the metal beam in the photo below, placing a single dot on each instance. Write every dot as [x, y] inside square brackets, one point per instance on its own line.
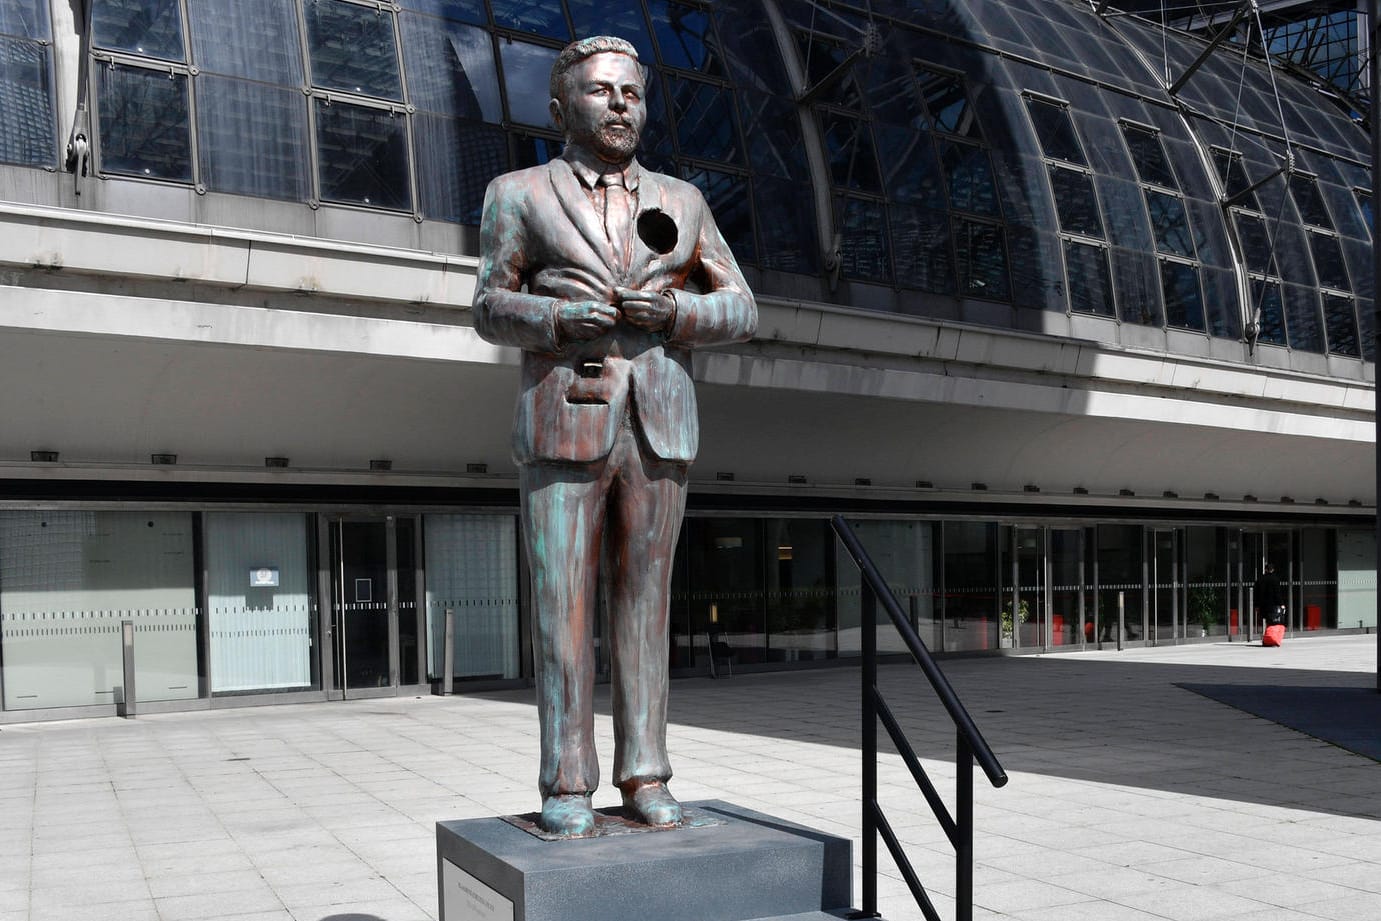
[1237, 15]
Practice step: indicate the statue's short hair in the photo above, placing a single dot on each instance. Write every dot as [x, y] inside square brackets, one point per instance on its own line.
[581, 49]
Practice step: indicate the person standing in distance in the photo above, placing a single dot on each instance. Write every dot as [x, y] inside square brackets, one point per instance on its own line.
[605, 274]
[1266, 597]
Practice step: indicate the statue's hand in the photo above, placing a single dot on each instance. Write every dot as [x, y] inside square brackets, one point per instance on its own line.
[585, 319]
[650, 310]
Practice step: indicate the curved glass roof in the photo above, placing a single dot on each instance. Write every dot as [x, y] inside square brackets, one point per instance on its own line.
[975, 160]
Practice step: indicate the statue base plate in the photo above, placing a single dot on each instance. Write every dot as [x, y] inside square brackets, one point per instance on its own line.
[736, 865]
[614, 821]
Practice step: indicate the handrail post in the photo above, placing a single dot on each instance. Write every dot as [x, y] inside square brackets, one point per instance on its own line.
[869, 614]
[963, 849]
[1121, 618]
[448, 654]
[128, 705]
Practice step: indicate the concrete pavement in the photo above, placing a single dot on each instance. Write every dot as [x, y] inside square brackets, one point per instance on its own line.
[1131, 798]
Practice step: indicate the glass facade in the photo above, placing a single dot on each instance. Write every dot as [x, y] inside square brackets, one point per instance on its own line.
[1020, 155]
[1005, 164]
[229, 604]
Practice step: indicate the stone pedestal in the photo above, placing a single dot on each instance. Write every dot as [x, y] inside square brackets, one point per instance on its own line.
[752, 866]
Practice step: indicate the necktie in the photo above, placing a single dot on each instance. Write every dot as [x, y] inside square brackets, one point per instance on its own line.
[618, 216]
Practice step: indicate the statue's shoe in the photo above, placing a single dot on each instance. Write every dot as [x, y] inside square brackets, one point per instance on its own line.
[568, 815]
[652, 804]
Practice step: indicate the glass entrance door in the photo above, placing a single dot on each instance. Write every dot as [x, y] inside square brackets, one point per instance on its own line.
[1166, 591]
[1022, 621]
[364, 556]
[1070, 624]
[1251, 552]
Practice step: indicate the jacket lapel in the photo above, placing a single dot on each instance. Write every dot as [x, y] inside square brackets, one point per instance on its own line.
[576, 203]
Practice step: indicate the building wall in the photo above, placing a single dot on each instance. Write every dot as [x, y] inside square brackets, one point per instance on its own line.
[307, 359]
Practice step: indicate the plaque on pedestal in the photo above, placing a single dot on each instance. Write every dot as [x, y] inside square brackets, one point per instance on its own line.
[733, 864]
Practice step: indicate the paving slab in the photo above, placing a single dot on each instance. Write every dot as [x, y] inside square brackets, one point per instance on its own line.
[1131, 797]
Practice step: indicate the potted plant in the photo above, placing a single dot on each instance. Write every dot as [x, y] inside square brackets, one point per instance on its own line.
[1007, 623]
[1205, 607]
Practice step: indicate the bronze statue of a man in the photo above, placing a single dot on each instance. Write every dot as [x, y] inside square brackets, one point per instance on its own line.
[605, 274]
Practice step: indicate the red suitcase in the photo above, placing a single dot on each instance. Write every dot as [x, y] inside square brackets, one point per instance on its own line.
[1274, 635]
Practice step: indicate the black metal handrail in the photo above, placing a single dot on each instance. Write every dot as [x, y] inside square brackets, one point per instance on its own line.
[970, 747]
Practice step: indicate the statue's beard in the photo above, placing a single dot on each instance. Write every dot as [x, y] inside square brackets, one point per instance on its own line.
[612, 140]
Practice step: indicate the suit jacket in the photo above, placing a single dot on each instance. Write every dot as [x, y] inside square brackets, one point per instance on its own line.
[542, 243]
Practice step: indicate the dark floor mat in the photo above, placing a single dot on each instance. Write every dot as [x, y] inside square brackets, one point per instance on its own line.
[1347, 717]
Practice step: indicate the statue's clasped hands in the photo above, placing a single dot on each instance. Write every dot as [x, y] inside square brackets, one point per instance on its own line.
[649, 310]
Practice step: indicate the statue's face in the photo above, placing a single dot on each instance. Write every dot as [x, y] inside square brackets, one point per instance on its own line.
[603, 110]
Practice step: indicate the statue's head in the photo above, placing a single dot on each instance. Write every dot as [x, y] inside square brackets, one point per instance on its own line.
[597, 96]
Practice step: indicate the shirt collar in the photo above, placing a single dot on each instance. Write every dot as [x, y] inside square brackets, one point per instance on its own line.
[588, 168]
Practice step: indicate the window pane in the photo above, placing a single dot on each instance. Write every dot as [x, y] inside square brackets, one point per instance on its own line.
[1124, 204]
[685, 37]
[253, 138]
[725, 564]
[596, 17]
[363, 155]
[1184, 306]
[821, 57]
[455, 161]
[705, 122]
[67, 580]
[731, 204]
[1234, 177]
[1075, 202]
[459, 10]
[451, 69]
[352, 49]
[1168, 223]
[1138, 286]
[1270, 312]
[773, 134]
[27, 128]
[981, 262]
[786, 226]
[534, 151]
[527, 79]
[1340, 320]
[911, 169]
[144, 126]
[257, 39]
[970, 176]
[801, 617]
[1055, 131]
[1090, 285]
[1148, 155]
[149, 27]
[261, 637]
[472, 566]
[864, 250]
[25, 18]
[947, 104]
[1302, 318]
[1305, 191]
[1222, 302]
[1256, 245]
[540, 17]
[922, 243]
[1364, 205]
[1328, 262]
[853, 164]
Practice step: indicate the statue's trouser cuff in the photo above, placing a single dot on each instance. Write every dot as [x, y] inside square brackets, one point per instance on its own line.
[630, 504]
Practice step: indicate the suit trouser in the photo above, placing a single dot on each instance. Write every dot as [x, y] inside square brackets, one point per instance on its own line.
[615, 519]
